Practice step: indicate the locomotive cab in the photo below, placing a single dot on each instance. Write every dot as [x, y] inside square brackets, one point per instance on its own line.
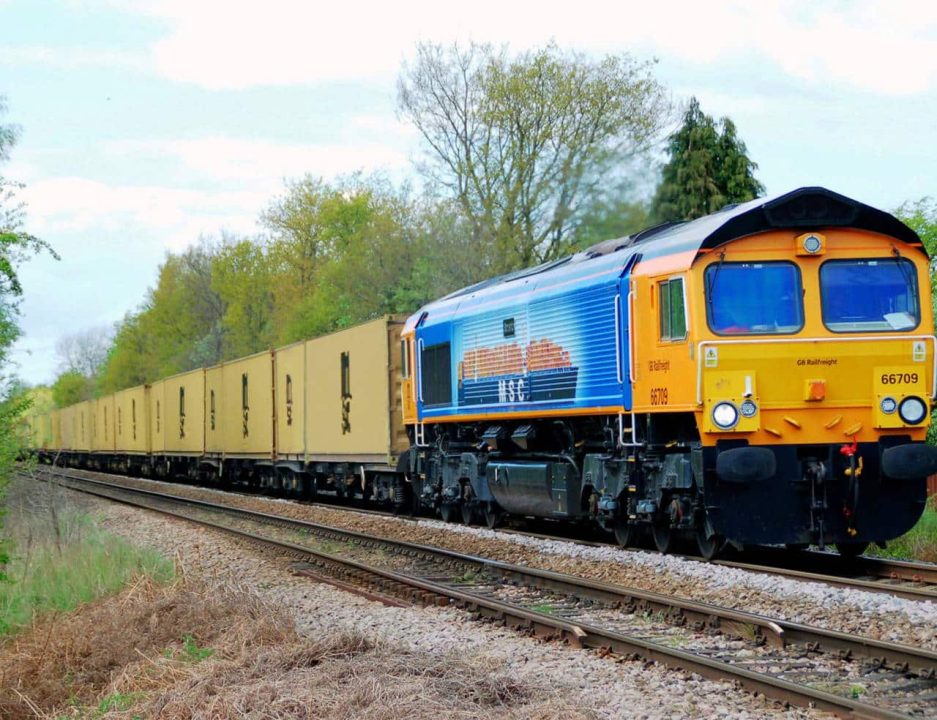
[815, 373]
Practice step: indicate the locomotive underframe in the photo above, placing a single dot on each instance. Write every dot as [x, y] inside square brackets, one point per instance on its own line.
[665, 483]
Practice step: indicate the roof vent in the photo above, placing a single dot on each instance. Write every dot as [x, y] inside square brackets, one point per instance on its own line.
[812, 207]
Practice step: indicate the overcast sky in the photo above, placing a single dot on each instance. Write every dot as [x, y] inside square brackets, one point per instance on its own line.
[149, 122]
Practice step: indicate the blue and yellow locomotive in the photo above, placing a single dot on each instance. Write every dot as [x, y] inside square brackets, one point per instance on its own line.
[762, 375]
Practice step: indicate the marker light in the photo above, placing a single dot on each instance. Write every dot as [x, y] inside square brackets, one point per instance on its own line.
[888, 405]
[725, 416]
[812, 244]
[912, 410]
[748, 408]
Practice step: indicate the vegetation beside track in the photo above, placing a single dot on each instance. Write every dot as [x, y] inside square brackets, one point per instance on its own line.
[60, 559]
[920, 543]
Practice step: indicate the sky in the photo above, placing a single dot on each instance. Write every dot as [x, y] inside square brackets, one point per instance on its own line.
[149, 123]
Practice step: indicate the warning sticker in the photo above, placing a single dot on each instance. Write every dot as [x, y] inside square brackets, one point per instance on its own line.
[711, 357]
[918, 354]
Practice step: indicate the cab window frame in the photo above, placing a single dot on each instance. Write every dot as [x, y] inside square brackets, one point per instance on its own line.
[665, 301]
[799, 275]
[838, 261]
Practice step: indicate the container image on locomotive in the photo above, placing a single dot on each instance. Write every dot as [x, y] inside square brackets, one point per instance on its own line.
[760, 375]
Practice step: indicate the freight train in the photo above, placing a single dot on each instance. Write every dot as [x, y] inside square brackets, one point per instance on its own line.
[761, 375]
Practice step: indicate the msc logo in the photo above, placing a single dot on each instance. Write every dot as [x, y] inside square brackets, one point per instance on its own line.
[512, 391]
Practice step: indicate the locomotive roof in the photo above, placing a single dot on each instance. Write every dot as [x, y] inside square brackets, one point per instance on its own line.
[807, 208]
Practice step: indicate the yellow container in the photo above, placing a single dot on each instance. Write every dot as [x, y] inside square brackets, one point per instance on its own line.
[214, 411]
[247, 399]
[290, 383]
[157, 417]
[132, 434]
[56, 418]
[353, 409]
[184, 413]
[81, 426]
[103, 425]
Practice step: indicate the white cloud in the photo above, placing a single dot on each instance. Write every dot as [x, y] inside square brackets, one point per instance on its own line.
[120, 215]
[263, 164]
[71, 58]
[877, 46]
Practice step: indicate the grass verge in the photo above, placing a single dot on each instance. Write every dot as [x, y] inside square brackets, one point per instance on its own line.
[60, 559]
[920, 543]
[189, 649]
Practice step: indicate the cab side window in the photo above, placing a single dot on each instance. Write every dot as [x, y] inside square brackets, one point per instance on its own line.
[672, 310]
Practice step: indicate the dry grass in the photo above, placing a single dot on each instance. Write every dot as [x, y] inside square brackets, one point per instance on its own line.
[125, 657]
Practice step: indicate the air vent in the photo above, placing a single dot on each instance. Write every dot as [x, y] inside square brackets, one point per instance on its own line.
[811, 209]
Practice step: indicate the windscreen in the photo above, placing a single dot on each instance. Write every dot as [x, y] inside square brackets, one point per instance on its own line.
[754, 298]
[869, 295]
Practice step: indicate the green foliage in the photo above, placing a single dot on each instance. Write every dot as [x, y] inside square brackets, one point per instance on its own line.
[708, 169]
[72, 563]
[919, 543]
[921, 216]
[521, 143]
[15, 246]
[190, 652]
[71, 387]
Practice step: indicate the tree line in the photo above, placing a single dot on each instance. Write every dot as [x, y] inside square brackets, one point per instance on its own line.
[525, 157]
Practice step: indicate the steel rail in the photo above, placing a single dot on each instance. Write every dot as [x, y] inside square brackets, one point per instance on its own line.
[902, 657]
[787, 565]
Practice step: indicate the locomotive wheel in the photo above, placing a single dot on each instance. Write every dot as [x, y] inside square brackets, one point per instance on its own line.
[447, 512]
[468, 513]
[493, 516]
[663, 537]
[625, 533]
[709, 544]
[851, 550]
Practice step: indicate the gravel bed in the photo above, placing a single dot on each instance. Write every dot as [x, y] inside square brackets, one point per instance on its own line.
[875, 615]
[609, 689]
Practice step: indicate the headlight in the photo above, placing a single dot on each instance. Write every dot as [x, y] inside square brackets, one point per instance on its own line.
[912, 410]
[748, 408]
[725, 416]
[812, 244]
[888, 405]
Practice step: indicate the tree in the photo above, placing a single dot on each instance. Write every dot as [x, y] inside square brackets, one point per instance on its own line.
[72, 387]
[15, 246]
[520, 143]
[84, 351]
[708, 169]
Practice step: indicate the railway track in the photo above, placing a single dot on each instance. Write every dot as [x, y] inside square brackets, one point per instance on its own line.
[901, 578]
[841, 673]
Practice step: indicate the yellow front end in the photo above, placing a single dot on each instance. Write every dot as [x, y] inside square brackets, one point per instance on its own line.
[812, 384]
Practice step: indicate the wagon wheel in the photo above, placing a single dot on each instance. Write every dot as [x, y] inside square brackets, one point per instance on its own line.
[708, 544]
[663, 536]
[851, 550]
[447, 511]
[468, 513]
[625, 533]
[493, 515]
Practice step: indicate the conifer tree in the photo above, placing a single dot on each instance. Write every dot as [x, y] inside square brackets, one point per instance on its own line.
[708, 169]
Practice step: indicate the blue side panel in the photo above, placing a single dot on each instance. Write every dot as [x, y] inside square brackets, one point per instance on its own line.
[546, 349]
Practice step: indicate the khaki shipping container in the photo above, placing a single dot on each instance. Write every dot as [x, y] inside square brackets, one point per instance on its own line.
[103, 430]
[247, 386]
[81, 426]
[184, 413]
[132, 436]
[353, 394]
[56, 430]
[157, 418]
[214, 411]
[291, 401]
[67, 427]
